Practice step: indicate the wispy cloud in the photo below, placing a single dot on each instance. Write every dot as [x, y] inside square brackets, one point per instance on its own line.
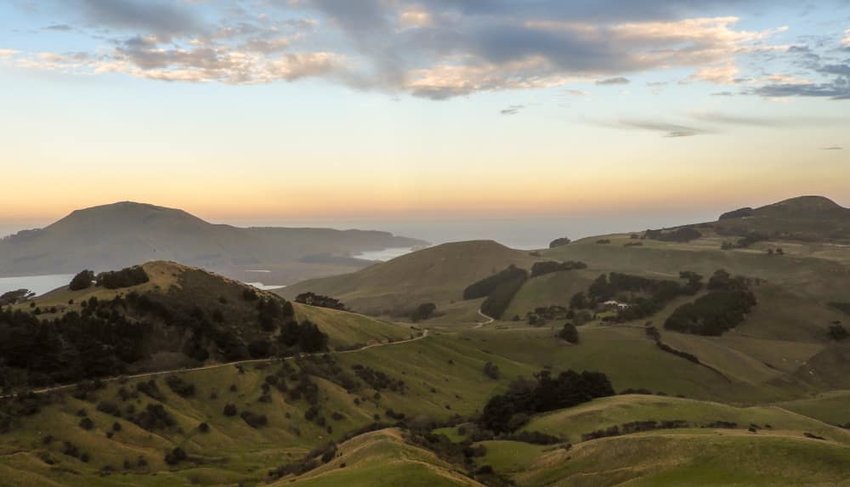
[512, 110]
[833, 148]
[766, 122]
[619, 80]
[668, 130]
[59, 27]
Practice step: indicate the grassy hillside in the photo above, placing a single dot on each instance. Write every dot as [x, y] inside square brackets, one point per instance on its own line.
[437, 274]
[600, 414]
[382, 458]
[182, 317]
[693, 458]
[630, 359]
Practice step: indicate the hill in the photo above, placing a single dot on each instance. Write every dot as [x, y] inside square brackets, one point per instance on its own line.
[122, 234]
[805, 218]
[177, 317]
[383, 458]
[438, 274]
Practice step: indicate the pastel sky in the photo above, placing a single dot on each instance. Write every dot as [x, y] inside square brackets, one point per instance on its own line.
[315, 109]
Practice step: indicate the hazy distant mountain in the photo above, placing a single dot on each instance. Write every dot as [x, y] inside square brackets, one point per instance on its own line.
[121, 234]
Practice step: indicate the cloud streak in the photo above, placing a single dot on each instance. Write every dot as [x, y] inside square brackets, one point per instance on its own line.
[668, 130]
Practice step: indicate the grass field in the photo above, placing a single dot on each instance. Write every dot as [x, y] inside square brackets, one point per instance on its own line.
[830, 407]
[618, 410]
[690, 457]
[629, 359]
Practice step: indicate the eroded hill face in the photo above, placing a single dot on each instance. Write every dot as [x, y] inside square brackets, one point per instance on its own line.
[123, 234]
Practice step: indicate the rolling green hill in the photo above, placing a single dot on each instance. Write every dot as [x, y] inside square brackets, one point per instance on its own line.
[437, 274]
[383, 458]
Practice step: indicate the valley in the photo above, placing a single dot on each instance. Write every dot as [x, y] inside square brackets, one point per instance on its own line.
[448, 394]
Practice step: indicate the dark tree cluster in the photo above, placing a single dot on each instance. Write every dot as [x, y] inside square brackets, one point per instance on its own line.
[105, 337]
[485, 287]
[129, 277]
[509, 411]
[83, 280]
[643, 296]
[378, 380]
[314, 299]
[559, 242]
[542, 314]
[492, 371]
[682, 234]
[72, 347]
[569, 333]
[499, 289]
[722, 309]
[15, 297]
[747, 241]
[837, 332]
[739, 213]
[548, 267]
[180, 386]
[423, 312]
[305, 337]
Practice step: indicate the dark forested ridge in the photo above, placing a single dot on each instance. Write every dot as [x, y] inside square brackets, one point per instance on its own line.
[201, 318]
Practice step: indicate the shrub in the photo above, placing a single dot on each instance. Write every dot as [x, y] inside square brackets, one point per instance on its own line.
[559, 242]
[492, 371]
[230, 410]
[87, 424]
[254, 420]
[175, 456]
[569, 333]
[154, 417]
[180, 387]
[837, 332]
[423, 312]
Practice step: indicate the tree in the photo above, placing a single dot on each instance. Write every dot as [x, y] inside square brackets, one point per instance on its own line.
[569, 333]
[559, 242]
[423, 312]
[579, 301]
[837, 332]
[83, 280]
[492, 371]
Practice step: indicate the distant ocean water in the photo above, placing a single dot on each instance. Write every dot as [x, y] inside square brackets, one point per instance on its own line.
[520, 233]
[36, 284]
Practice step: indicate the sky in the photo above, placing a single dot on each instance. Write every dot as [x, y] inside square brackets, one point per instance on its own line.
[386, 112]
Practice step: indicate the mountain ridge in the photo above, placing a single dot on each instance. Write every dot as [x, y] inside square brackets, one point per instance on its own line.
[127, 233]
